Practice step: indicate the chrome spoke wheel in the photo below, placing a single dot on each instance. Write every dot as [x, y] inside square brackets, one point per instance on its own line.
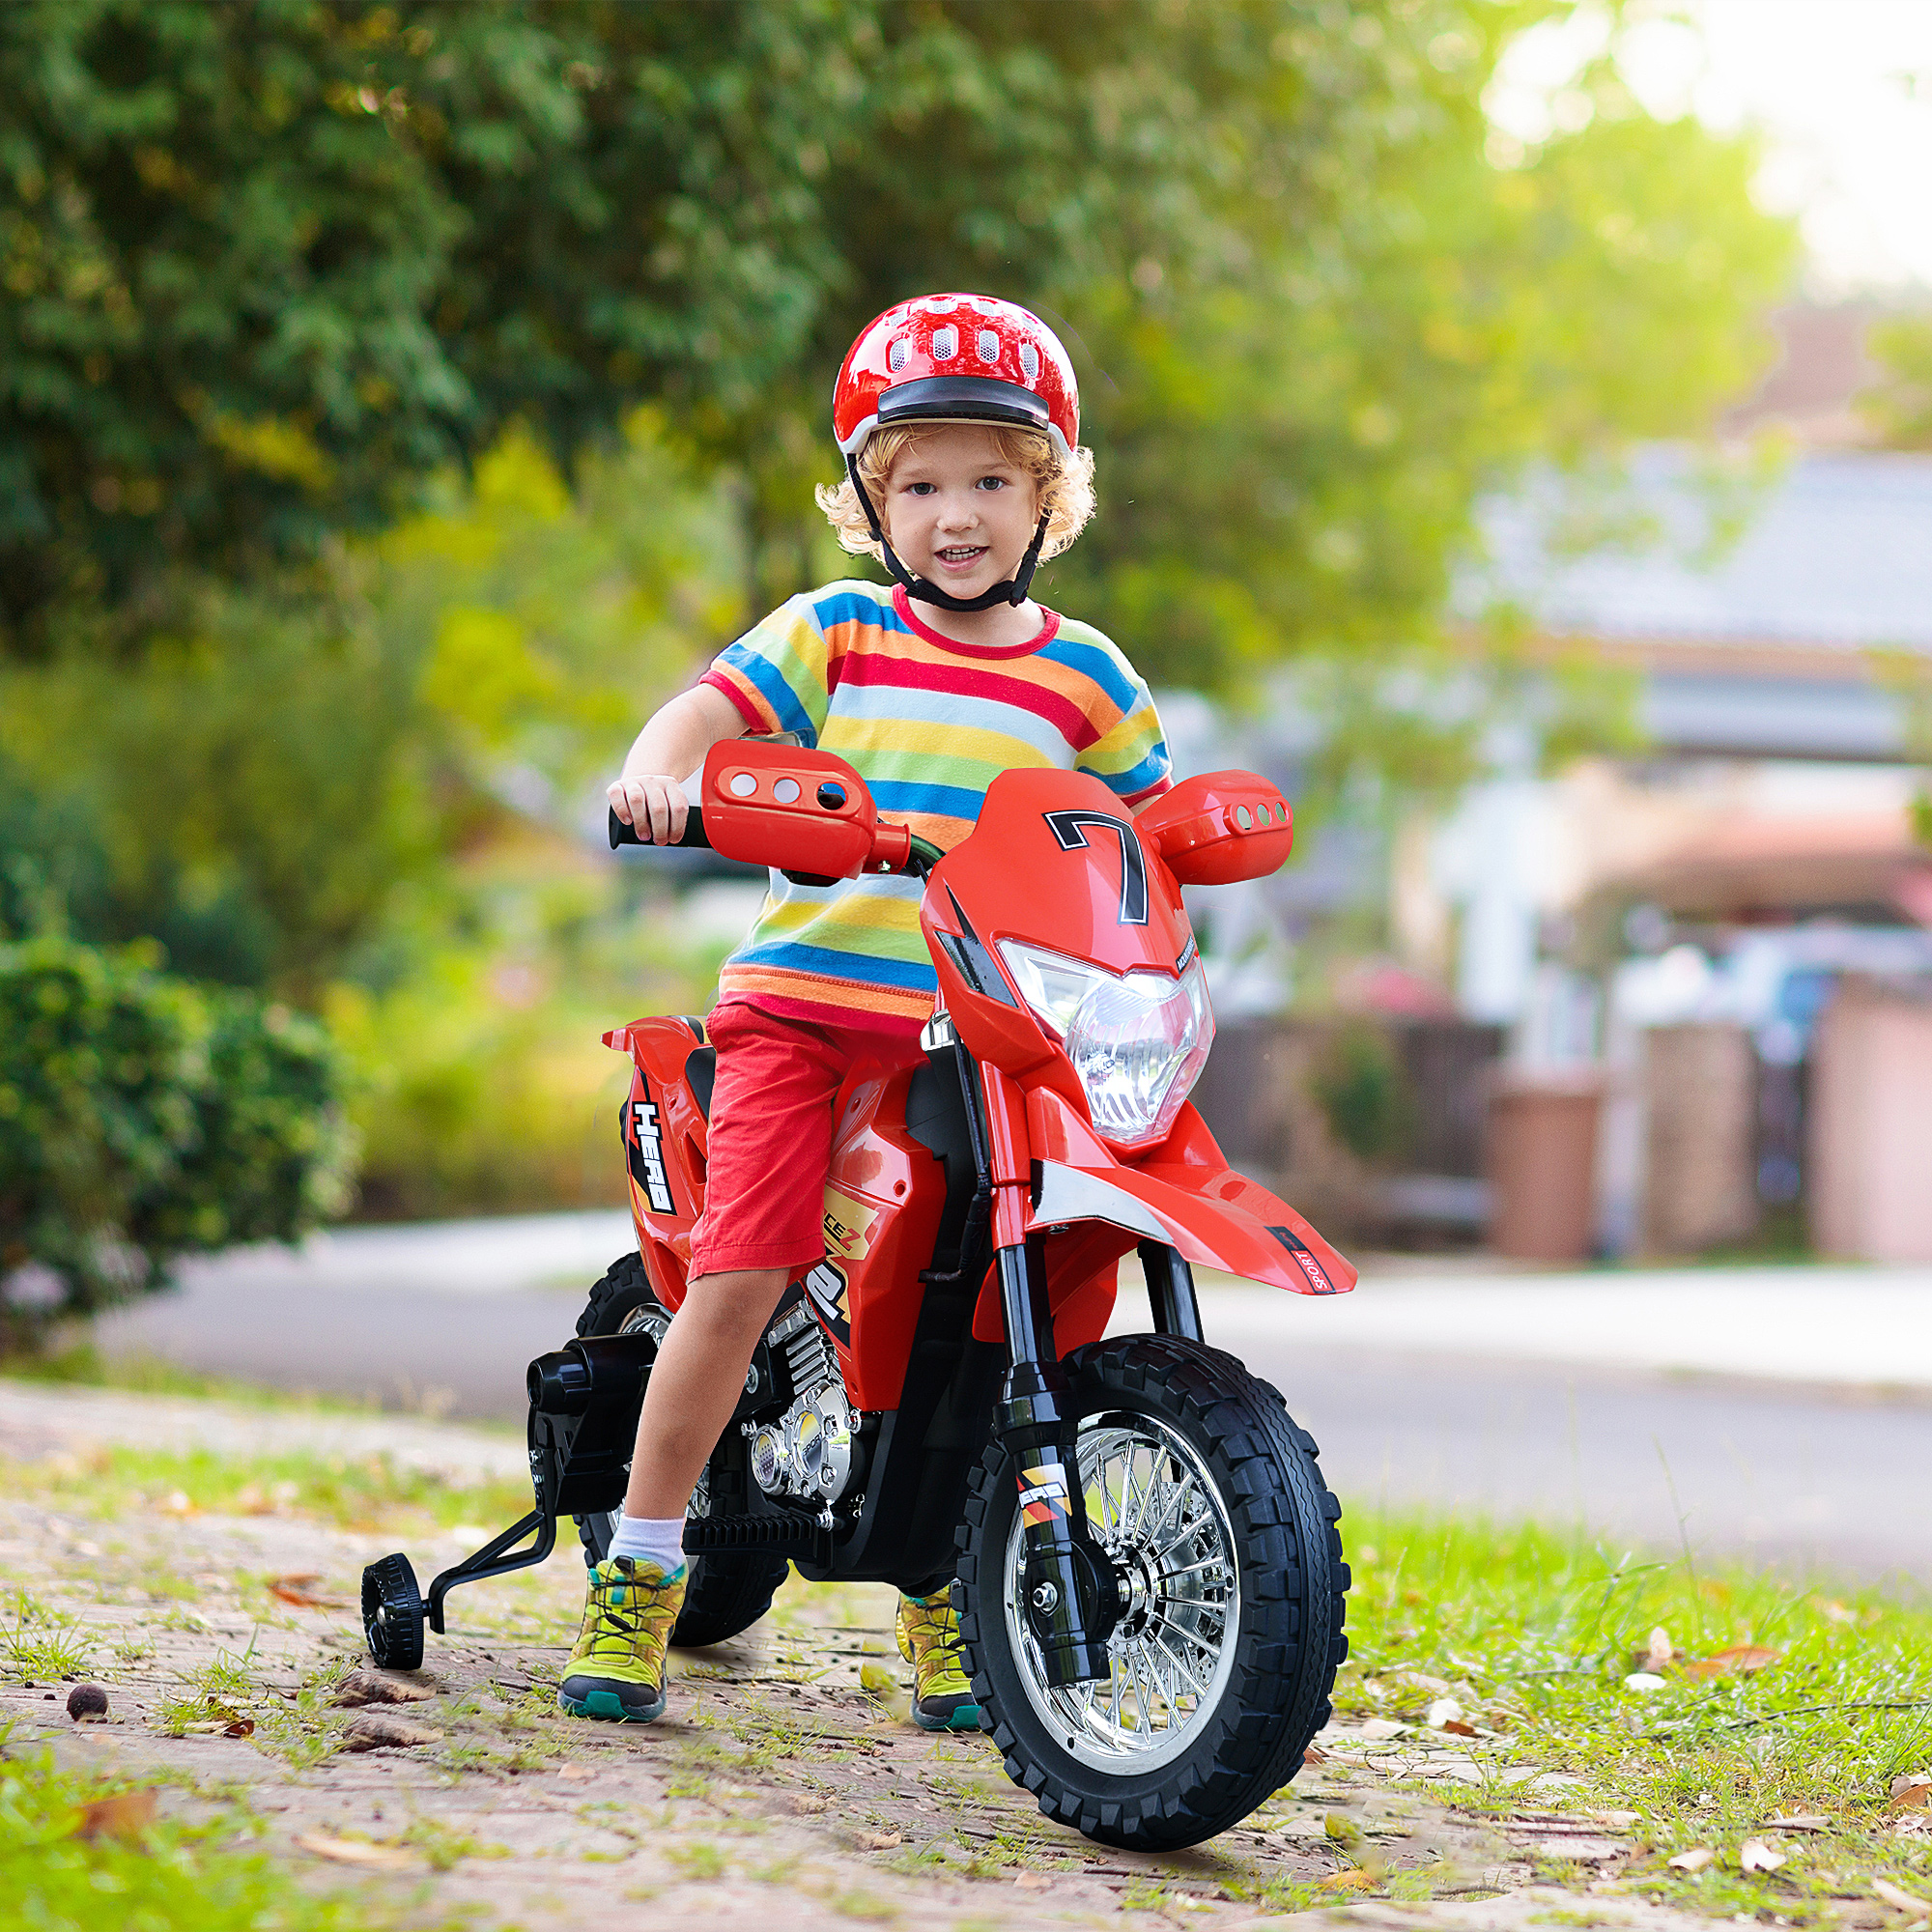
[1161, 1519]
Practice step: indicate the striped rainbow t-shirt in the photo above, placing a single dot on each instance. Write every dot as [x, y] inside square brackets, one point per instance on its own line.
[928, 724]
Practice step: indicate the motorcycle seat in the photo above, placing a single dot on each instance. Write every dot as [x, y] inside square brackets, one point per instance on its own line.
[700, 1073]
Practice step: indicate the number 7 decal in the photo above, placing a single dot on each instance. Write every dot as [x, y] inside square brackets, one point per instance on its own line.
[1071, 828]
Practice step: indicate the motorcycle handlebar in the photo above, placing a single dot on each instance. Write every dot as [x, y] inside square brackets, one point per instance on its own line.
[920, 860]
[626, 834]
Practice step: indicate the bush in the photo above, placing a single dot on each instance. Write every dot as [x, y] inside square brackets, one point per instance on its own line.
[142, 1117]
[1364, 1094]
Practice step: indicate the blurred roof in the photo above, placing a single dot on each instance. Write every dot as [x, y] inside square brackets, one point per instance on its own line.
[1836, 556]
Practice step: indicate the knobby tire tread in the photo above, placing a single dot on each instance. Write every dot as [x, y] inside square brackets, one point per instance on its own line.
[1257, 1736]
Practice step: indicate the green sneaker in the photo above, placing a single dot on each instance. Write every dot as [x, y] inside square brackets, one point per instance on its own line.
[929, 1633]
[618, 1668]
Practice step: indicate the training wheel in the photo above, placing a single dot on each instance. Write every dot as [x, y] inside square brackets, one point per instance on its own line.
[392, 1613]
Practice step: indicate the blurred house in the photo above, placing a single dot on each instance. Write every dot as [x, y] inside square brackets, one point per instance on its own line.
[1760, 851]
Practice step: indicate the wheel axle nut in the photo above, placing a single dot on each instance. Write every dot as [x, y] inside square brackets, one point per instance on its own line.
[1046, 1598]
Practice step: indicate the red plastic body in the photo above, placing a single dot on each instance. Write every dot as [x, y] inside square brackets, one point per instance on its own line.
[1220, 827]
[1056, 862]
[799, 811]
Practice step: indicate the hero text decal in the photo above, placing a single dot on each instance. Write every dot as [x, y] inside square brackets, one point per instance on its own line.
[646, 1151]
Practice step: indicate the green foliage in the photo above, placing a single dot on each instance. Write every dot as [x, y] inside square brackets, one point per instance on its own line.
[249, 791]
[546, 619]
[1363, 1092]
[1293, 452]
[174, 1876]
[142, 1118]
[1899, 407]
[1535, 1630]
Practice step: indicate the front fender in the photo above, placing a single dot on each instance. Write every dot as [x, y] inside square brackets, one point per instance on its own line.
[1214, 1217]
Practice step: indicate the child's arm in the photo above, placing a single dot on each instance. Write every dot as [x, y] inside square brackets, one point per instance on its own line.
[666, 751]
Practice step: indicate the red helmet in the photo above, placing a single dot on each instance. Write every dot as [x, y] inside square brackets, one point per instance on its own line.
[962, 359]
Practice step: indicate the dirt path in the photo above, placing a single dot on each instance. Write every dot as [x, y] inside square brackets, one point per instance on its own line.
[778, 1785]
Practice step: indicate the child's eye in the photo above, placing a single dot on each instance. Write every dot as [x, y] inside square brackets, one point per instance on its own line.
[921, 489]
[992, 483]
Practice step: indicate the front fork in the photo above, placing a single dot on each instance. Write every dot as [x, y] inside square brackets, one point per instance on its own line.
[1071, 1594]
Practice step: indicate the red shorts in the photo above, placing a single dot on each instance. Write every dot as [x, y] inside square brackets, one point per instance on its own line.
[770, 1144]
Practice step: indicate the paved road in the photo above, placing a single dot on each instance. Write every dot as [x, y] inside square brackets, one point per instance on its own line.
[1785, 1414]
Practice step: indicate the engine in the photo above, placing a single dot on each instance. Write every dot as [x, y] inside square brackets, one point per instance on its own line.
[807, 1451]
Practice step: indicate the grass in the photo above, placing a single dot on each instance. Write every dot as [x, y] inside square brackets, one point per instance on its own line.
[369, 1493]
[40, 1645]
[1535, 1632]
[172, 1875]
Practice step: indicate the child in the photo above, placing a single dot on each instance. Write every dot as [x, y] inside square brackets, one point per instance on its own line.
[958, 419]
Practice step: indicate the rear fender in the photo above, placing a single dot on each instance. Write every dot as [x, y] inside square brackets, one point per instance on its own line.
[665, 1136]
[1183, 1193]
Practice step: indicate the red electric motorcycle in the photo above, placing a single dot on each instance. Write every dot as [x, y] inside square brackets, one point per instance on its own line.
[1140, 1544]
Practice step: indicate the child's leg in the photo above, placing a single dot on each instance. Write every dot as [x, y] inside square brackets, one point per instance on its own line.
[769, 1149]
[696, 1382]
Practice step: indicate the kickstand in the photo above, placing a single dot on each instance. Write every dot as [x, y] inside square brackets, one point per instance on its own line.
[489, 1560]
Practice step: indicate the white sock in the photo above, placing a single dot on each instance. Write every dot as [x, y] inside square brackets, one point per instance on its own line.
[649, 1539]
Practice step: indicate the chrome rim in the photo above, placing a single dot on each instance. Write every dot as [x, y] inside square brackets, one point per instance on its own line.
[1156, 1513]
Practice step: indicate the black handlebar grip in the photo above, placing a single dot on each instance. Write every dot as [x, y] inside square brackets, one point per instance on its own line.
[626, 834]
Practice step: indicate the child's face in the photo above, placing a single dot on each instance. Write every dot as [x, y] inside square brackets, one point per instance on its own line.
[958, 514]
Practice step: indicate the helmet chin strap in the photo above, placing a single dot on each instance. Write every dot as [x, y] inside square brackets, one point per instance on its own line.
[1014, 591]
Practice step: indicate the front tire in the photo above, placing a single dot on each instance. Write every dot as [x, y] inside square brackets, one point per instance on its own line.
[728, 1591]
[1209, 1501]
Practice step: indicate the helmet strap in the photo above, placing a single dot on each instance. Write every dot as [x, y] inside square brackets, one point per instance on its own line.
[1012, 591]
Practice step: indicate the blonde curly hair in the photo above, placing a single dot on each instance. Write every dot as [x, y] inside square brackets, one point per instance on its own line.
[1065, 485]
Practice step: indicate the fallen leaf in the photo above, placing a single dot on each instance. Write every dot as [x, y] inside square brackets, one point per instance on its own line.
[1755, 1856]
[1422, 1680]
[1660, 1653]
[1800, 1821]
[125, 1815]
[1343, 1828]
[298, 1588]
[1694, 1860]
[355, 1852]
[876, 1678]
[1913, 1793]
[1315, 1754]
[578, 1773]
[1033, 1880]
[878, 1841]
[1643, 1680]
[1379, 1730]
[377, 1730]
[1740, 1660]
[1443, 1713]
[1897, 1894]
[376, 1687]
[1356, 1880]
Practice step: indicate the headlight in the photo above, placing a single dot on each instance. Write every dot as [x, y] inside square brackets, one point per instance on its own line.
[1138, 1041]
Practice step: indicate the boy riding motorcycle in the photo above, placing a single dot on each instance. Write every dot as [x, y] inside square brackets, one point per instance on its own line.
[958, 419]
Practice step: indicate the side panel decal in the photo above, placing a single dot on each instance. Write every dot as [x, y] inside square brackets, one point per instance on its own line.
[644, 1148]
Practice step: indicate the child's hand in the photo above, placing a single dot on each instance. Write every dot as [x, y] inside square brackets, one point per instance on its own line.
[656, 805]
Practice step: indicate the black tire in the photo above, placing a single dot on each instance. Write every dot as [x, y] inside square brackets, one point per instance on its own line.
[392, 1614]
[728, 1590]
[1204, 1422]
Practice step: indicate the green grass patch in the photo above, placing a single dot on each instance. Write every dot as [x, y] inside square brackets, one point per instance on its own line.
[362, 1493]
[1776, 1700]
[171, 1874]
